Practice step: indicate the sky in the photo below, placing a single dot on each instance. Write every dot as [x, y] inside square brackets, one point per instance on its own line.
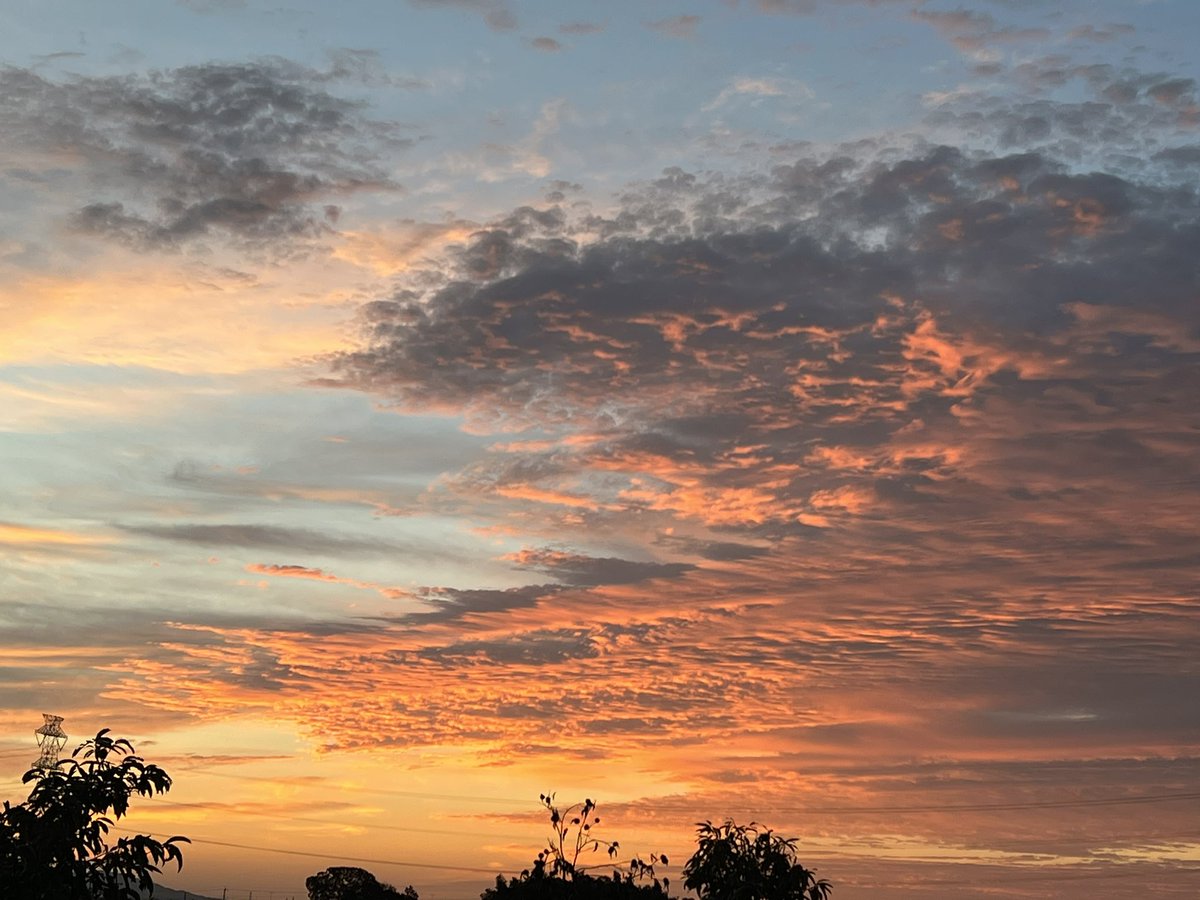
[784, 410]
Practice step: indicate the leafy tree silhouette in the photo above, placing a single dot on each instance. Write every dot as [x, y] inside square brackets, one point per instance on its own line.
[352, 883]
[557, 872]
[748, 862]
[54, 845]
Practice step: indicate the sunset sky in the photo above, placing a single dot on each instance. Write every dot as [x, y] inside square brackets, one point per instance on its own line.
[779, 409]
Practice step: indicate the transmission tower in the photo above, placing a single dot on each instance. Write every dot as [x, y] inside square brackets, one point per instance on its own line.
[50, 738]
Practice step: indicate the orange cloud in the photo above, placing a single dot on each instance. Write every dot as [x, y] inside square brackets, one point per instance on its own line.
[34, 536]
[307, 574]
[296, 572]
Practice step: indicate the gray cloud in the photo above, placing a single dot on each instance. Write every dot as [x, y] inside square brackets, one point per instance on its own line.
[543, 648]
[1126, 94]
[448, 604]
[209, 7]
[1102, 34]
[977, 33]
[583, 570]
[717, 551]
[262, 537]
[581, 28]
[676, 26]
[253, 150]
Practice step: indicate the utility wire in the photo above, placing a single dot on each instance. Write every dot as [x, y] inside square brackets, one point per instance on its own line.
[334, 856]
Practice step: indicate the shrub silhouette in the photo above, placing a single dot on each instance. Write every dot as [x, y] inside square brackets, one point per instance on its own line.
[352, 883]
[54, 845]
[748, 862]
[557, 872]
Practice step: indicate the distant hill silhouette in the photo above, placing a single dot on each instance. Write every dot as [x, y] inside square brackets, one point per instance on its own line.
[166, 893]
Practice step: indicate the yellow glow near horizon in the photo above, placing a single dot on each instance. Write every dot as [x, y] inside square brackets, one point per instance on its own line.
[166, 318]
[27, 536]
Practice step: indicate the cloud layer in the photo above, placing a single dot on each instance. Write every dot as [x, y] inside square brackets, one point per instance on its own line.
[848, 485]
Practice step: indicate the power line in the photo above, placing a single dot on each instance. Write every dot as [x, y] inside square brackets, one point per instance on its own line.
[334, 856]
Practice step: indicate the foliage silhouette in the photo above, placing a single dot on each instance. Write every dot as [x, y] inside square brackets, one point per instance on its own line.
[352, 883]
[748, 862]
[557, 873]
[54, 845]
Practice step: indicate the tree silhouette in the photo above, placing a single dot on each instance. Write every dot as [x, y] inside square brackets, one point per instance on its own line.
[748, 862]
[352, 883]
[54, 846]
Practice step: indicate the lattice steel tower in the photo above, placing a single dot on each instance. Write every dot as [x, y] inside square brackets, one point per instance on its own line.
[50, 738]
